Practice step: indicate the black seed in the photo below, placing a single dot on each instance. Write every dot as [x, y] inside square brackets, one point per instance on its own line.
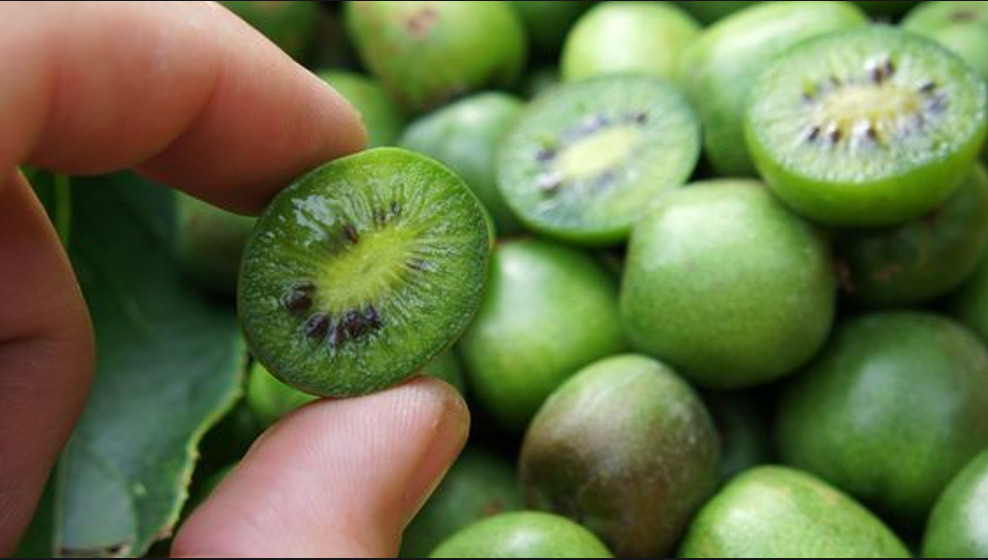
[836, 134]
[395, 208]
[871, 132]
[351, 233]
[297, 301]
[316, 326]
[928, 88]
[937, 104]
[641, 118]
[814, 134]
[355, 326]
[545, 154]
[372, 318]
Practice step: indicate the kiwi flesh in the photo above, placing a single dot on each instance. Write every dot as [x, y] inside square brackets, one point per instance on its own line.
[866, 127]
[920, 260]
[362, 271]
[383, 118]
[587, 158]
[720, 67]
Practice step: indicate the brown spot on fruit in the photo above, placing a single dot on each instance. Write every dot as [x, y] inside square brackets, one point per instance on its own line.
[421, 23]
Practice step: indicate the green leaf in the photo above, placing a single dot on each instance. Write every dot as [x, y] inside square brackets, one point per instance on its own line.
[170, 365]
[52, 189]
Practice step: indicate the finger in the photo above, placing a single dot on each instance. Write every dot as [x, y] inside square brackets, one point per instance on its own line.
[336, 478]
[183, 90]
[46, 356]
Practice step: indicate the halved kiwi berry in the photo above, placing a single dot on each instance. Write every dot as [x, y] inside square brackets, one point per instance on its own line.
[587, 158]
[866, 127]
[362, 271]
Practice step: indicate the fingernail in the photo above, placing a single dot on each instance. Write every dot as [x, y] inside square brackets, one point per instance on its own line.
[449, 433]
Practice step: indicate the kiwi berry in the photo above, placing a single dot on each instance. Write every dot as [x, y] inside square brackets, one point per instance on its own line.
[628, 37]
[465, 135]
[626, 448]
[362, 271]
[383, 118]
[866, 127]
[428, 52]
[920, 260]
[890, 411]
[549, 310]
[480, 484]
[269, 399]
[209, 243]
[958, 525]
[960, 26]
[726, 285]
[290, 25]
[719, 68]
[522, 534]
[548, 22]
[588, 158]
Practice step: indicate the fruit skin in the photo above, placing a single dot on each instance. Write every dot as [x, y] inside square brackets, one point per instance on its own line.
[526, 534]
[908, 185]
[210, 243]
[959, 26]
[777, 512]
[427, 52]
[479, 485]
[720, 67]
[958, 526]
[970, 304]
[290, 25]
[269, 399]
[922, 259]
[548, 22]
[726, 285]
[626, 448]
[890, 411]
[383, 118]
[465, 136]
[622, 37]
[549, 310]
[304, 217]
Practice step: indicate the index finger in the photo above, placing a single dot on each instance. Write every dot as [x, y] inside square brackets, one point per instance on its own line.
[183, 91]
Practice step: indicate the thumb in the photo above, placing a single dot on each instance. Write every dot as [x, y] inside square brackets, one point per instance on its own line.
[336, 478]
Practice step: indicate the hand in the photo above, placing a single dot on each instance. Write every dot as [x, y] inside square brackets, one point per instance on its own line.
[187, 94]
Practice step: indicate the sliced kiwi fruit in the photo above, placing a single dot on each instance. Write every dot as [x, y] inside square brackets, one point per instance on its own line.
[922, 259]
[587, 158]
[867, 127]
[383, 118]
[362, 271]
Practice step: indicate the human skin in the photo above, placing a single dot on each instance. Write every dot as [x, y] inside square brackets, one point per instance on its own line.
[228, 118]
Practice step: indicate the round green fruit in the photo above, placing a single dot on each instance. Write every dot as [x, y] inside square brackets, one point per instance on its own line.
[726, 285]
[526, 534]
[427, 52]
[958, 526]
[890, 411]
[626, 448]
[549, 310]
[383, 118]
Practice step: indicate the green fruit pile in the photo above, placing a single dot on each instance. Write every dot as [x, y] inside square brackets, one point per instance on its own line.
[711, 276]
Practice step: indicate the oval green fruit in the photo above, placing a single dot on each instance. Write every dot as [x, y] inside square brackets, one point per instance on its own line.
[428, 52]
[720, 67]
[776, 512]
[628, 37]
[890, 411]
[922, 259]
[726, 285]
[549, 310]
[959, 26]
[626, 448]
[958, 526]
[480, 484]
[525, 534]
[383, 118]
[465, 136]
